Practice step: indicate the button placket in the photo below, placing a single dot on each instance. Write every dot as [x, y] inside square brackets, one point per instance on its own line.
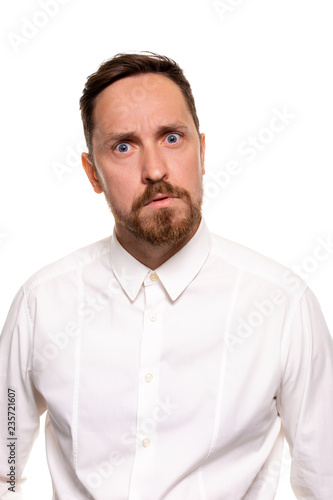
[148, 377]
[149, 364]
[145, 442]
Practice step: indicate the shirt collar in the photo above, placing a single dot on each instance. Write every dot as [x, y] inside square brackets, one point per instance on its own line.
[175, 274]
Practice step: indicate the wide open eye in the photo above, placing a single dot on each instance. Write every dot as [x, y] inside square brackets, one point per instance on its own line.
[123, 147]
[172, 138]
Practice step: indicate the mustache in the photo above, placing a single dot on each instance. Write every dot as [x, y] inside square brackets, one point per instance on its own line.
[157, 188]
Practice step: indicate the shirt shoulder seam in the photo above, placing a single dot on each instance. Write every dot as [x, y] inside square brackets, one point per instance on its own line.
[42, 276]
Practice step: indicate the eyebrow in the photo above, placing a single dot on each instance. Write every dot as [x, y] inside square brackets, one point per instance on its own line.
[126, 136]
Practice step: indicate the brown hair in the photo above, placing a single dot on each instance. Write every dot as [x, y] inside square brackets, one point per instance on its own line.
[121, 66]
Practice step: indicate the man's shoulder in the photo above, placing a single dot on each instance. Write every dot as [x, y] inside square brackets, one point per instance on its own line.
[254, 265]
[71, 263]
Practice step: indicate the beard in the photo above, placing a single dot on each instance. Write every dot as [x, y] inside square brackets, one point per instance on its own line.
[164, 226]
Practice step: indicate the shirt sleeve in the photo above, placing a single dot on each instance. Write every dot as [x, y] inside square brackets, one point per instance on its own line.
[20, 404]
[305, 400]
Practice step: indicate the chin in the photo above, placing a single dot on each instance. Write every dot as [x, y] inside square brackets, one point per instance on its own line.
[166, 226]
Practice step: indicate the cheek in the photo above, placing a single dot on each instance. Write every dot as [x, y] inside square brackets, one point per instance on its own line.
[121, 191]
[190, 173]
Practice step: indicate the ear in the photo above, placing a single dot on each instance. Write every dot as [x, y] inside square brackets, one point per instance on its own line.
[202, 152]
[91, 173]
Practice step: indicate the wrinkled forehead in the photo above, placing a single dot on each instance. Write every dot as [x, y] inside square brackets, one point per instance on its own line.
[132, 100]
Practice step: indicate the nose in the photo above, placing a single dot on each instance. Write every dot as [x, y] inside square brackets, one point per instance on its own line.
[153, 167]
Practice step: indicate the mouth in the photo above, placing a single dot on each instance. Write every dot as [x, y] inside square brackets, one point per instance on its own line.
[160, 199]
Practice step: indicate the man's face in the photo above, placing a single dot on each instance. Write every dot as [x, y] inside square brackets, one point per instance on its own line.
[148, 158]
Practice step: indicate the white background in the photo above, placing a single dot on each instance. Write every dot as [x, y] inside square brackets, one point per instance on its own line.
[242, 62]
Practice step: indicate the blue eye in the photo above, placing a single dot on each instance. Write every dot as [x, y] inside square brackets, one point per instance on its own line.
[172, 138]
[123, 147]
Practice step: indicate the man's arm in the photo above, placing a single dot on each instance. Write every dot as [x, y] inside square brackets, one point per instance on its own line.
[20, 403]
[305, 401]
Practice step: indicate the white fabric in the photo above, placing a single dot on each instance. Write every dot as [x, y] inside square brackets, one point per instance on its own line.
[173, 384]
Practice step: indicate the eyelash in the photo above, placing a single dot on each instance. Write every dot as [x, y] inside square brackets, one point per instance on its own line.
[167, 135]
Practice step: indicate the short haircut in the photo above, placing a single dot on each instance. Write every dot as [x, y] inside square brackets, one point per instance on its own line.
[121, 66]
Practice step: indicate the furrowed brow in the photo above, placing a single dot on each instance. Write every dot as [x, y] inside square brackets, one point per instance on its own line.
[172, 127]
[117, 138]
[122, 136]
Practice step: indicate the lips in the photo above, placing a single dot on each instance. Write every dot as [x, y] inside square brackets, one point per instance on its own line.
[159, 197]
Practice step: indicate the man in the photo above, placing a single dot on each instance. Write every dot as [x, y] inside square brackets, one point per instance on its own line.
[171, 362]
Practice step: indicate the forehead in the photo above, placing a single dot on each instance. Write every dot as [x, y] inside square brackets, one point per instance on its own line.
[135, 100]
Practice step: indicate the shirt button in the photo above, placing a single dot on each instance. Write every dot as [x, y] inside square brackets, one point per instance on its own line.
[153, 317]
[146, 442]
[153, 277]
[148, 377]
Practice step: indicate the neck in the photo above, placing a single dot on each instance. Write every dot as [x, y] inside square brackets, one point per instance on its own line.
[152, 256]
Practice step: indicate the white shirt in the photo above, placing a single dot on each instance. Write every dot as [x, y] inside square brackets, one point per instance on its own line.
[176, 384]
